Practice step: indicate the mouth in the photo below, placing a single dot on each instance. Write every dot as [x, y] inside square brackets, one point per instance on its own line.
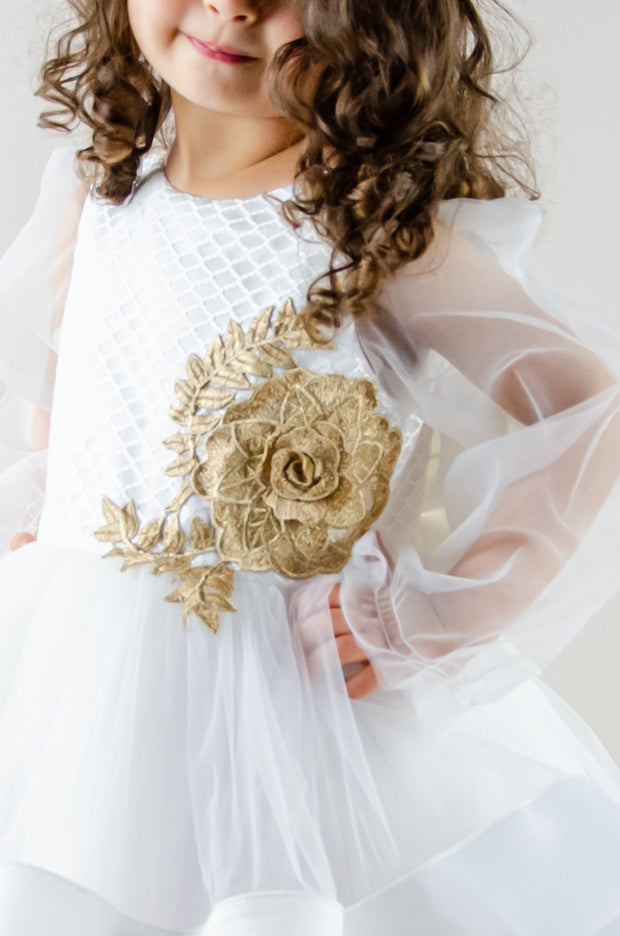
[220, 53]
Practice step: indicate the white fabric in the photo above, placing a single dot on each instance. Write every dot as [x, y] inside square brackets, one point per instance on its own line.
[33, 279]
[517, 540]
[276, 914]
[166, 769]
[567, 884]
[500, 883]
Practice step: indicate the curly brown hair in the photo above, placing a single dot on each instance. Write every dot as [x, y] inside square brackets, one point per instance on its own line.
[400, 116]
[98, 78]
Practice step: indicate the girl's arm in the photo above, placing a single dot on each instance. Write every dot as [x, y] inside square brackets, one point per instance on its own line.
[523, 391]
[60, 276]
[458, 302]
[34, 279]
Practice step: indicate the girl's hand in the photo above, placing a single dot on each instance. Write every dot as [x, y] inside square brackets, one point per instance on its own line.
[364, 679]
[21, 539]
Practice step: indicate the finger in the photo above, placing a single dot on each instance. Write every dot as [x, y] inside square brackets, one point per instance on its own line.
[356, 597]
[340, 627]
[334, 596]
[21, 539]
[323, 658]
[318, 629]
[349, 651]
[339, 622]
[363, 683]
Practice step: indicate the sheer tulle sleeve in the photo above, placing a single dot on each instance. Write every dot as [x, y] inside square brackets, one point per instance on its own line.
[516, 542]
[34, 277]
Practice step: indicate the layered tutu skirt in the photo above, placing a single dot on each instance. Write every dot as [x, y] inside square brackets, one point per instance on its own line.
[159, 779]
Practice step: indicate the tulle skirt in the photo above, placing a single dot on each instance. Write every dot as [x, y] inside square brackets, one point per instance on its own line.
[160, 779]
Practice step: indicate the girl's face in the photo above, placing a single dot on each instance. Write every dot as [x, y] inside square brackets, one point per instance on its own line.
[216, 55]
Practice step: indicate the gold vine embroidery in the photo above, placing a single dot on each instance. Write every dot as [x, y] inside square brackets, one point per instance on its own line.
[294, 473]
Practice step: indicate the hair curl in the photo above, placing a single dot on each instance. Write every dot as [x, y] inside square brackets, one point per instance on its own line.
[99, 79]
[395, 100]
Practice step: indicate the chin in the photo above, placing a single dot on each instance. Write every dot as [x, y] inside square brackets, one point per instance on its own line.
[234, 106]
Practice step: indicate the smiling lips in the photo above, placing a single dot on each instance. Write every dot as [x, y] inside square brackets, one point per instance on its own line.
[220, 53]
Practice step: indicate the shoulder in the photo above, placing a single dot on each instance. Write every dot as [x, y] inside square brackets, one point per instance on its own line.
[65, 180]
[479, 247]
[61, 178]
[58, 205]
[505, 229]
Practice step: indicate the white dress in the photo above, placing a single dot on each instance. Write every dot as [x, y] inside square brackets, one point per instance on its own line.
[160, 778]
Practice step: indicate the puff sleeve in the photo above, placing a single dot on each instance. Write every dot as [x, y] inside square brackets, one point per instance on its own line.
[516, 542]
[34, 277]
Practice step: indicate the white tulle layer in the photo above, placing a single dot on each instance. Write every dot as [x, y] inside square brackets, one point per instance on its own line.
[166, 770]
[568, 884]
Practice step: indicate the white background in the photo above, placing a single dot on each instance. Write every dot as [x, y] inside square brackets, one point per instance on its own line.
[570, 79]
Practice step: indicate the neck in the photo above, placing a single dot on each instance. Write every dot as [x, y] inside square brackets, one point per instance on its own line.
[218, 155]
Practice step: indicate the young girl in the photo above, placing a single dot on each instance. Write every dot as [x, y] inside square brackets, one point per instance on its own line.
[376, 502]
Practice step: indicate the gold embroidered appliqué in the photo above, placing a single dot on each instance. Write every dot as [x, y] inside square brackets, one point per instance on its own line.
[294, 473]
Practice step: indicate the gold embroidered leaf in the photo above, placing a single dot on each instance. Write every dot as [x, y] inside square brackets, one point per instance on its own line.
[286, 315]
[185, 491]
[194, 574]
[134, 560]
[202, 535]
[195, 369]
[114, 552]
[299, 339]
[182, 593]
[215, 355]
[108, 534]
[180, 414]
[260, 325]
[175, 597]
[205, 591]
[129, 521]
[149, 535]
[163, 562]
[235, 338]
[218, 601]
[221, 577]
[180, 466]
[203, 423]
[185, 392]
[207, 614]
[173, 535]
[211, 398]
[231, 376]
[278, 357]
[111, 511]
[251, 363]
[177, 442]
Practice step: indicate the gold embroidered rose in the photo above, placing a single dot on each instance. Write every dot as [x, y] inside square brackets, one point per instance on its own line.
[294, 473]
[297, 473]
